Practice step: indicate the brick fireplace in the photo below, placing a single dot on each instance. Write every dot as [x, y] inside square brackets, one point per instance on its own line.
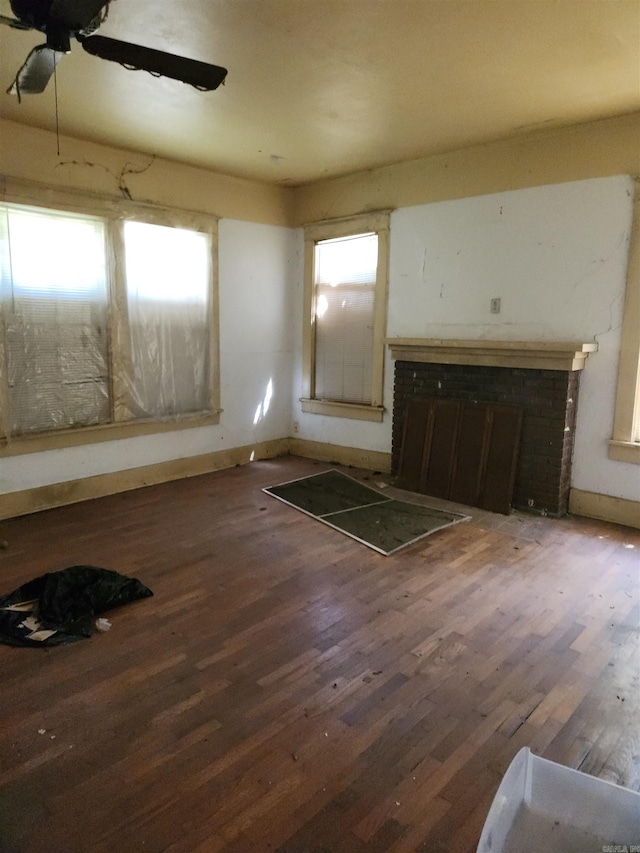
[540, 378]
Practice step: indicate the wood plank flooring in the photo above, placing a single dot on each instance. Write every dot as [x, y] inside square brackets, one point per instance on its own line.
[287, 689]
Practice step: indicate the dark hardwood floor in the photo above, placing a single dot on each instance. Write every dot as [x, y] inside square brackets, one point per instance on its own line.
[288, 689]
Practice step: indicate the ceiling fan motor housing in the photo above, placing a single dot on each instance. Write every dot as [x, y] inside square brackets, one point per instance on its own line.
[35, 13]
[59, 19]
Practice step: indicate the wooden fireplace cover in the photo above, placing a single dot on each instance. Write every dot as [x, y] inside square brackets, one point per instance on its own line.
[461, 451]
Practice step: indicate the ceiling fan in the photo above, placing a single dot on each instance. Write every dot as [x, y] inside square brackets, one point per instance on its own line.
[60, 20]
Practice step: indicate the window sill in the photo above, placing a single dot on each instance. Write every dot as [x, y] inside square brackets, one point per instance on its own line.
[624, 451]
[42, 441]
[342, 410]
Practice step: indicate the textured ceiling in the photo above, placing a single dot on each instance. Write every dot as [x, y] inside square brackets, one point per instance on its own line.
[318, 88]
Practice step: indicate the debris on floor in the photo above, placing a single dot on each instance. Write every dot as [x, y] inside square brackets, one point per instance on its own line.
[60, 607]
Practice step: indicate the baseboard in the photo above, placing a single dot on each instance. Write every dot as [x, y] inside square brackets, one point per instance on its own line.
[60, 494]
[28, 501]
[605, 508]
[12, 504]
[372, 460]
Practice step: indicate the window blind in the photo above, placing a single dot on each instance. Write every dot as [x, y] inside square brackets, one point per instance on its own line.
[344, 282]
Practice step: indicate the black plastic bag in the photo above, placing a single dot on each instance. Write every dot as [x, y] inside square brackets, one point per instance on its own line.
[62, 606]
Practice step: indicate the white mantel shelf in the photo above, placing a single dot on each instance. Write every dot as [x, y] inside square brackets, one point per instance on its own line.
[537, 355]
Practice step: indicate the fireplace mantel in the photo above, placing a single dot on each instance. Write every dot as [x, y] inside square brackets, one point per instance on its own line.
[537, 355]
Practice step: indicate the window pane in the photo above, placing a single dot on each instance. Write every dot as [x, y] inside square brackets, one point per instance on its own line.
[345, 278]
[53, 293]
[168, 272]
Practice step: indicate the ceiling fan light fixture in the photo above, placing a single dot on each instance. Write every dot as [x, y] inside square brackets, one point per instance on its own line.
[36, 72]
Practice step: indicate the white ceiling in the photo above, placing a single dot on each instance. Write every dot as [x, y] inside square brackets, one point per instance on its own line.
[318, 88]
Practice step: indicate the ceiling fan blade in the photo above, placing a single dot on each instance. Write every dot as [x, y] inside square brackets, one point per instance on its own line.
[14, 22]
[75, 15]
[199, 74]
[36, 72]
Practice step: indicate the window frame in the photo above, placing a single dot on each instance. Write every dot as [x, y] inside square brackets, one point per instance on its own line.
[375, 222]
[624, 445]
[114, 212]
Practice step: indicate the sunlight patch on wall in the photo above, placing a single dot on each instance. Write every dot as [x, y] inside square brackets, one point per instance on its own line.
[263, 407]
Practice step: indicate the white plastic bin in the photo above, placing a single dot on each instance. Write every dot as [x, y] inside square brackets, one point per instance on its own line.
[543, 807]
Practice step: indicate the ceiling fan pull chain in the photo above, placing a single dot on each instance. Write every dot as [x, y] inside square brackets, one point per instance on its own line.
[55, 91]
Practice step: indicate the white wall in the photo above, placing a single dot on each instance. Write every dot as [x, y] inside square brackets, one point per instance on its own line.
[256, 334]
[255, 350]
[555, 255]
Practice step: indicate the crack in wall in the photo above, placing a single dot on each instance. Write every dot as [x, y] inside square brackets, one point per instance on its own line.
[119, 177]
